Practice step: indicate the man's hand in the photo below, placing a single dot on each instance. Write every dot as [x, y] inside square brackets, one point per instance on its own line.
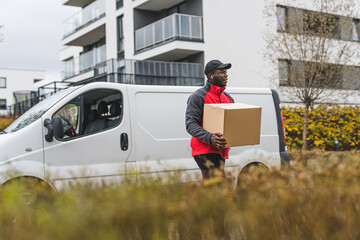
[218, 141]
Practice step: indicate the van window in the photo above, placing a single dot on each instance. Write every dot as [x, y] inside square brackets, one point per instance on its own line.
[70, 117]
[37, 111]
[90, 113]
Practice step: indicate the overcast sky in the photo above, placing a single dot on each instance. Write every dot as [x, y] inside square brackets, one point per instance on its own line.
[32, 32]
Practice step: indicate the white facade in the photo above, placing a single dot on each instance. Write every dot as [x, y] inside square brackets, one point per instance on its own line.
[17, 80]
[231, 31]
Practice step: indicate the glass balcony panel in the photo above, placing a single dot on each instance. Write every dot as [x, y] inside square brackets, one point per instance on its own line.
[101, 54]
[140, 38]
[69, 68]
[85, 62]
[149, 37]
[185, 70]
[196, 27]
[184, 26]
[88, 14]
[146, 68]
[174, 69]
[151, 68]
[157, 70]
[176, 27]
[168, 27]
[172, 27]
[158, 28]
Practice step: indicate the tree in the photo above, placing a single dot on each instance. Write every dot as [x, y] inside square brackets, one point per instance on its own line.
[316, 49]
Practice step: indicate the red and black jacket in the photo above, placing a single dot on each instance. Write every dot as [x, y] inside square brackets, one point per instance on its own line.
[201, 139]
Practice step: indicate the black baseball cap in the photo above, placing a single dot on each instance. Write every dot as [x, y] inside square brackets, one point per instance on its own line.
[216, 64]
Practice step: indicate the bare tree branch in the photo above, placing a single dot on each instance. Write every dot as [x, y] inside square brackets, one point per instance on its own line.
[314, 47]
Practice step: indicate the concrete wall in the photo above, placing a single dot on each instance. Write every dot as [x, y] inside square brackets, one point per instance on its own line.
[232, 33]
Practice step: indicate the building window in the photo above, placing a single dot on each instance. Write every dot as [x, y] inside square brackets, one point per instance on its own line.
[120, 36]
[119, 4]
[332, 76]
[283, 72]
[91, 113]
[281, 15]
[321, 24]
[2, 104]
[2, 82]
[355, 34]
[301, 21]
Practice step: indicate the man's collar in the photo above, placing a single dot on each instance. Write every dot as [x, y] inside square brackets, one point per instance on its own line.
[216, 89]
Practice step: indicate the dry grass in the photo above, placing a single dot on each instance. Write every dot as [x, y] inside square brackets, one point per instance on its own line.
[4, 122]
[318, 198]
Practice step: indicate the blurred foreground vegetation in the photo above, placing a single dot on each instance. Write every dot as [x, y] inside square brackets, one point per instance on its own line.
[318, 198]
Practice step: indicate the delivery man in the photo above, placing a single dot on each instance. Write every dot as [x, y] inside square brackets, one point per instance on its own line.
[208, 149]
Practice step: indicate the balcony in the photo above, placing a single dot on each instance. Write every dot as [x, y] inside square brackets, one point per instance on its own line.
[146, 72]
[85, 17]
[174, 27]
[76, 3]
[150, 72]
[84, 63]
[155, 5]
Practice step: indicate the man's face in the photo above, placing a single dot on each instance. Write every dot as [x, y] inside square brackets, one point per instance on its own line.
[220, 78]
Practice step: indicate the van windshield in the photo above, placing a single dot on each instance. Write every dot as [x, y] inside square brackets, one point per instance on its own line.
[37, 111]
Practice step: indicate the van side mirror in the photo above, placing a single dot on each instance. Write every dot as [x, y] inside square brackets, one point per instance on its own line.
[55, 128]
[58, 127]
[50, 134]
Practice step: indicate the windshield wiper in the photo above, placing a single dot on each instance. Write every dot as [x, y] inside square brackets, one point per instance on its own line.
[2, 132]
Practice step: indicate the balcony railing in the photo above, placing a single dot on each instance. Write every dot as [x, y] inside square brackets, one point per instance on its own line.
[89, 59]
[27, 99]
[84, 63]
[174, 27]
[86, 16]
[147, 72]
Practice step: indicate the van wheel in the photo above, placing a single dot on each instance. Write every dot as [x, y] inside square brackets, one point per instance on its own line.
[251, 177]
[30, 189]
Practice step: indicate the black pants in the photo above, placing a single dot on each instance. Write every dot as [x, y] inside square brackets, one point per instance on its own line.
[211, 165]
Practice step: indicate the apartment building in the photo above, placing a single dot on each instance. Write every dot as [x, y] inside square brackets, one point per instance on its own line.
[109, 40]
[320, 50]
[169, 41]
[17, 85]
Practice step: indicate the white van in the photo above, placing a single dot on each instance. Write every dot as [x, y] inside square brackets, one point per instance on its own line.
[108, 130]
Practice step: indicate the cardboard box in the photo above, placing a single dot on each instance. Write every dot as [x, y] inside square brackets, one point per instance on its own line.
[239, 123]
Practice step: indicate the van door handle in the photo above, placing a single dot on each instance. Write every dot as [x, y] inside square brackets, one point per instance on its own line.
[124, 142]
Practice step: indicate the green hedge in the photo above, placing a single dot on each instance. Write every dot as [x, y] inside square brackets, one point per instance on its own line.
[326, 124]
